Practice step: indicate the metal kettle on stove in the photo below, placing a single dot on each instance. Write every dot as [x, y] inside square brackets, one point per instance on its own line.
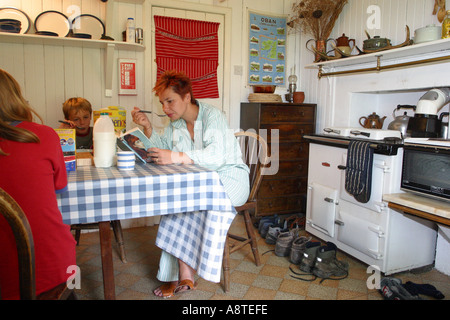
[372, 121]
[401, 122]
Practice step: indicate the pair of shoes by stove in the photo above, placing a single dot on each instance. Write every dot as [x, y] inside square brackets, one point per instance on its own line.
[321, 261]
[284, 242]
[266, 222]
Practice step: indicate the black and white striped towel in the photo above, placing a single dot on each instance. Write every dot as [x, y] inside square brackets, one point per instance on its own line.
[358, 175]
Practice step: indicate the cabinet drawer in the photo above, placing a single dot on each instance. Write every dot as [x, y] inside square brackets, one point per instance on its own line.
[280, 187]
[294, 204]
[271, 114]
[292, 168]
[290, 151]
[288, 131]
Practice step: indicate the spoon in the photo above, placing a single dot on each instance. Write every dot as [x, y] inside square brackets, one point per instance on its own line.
[65, 122]
[159, 115]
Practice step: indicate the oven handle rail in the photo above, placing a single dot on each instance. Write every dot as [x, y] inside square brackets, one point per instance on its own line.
[334, 141]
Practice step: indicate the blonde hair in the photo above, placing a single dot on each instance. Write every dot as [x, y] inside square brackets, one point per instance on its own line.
[76, 104]
[14, 107]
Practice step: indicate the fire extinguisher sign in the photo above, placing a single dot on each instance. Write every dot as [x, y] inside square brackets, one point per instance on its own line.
[127, 76]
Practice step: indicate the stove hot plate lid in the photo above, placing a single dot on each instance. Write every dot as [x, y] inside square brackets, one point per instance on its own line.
[363, 133]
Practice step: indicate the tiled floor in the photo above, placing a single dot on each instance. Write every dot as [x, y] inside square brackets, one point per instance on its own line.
[136, 279]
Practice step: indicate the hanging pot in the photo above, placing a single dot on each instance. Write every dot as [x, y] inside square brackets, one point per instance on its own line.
[401, 122]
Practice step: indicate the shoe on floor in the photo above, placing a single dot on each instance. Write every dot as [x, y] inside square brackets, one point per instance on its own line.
[298, 249]
[309, 256]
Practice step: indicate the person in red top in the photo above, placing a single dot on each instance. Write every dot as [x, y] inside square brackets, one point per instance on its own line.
[32, 171]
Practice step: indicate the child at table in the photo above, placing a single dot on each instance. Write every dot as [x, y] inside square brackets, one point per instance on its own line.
[198, 133]
[32, 171]
[78, 113]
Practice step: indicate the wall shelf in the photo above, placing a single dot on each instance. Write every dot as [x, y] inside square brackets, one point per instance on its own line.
[67, 41]
[109, 46]
[429, 52]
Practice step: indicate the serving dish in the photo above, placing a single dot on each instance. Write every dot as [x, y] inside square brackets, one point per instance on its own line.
[16, 14]
[53, 21]
[89, 24]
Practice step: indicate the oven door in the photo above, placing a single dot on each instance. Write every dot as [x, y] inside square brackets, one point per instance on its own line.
[381, 165]
[361, 234]
[322, 207]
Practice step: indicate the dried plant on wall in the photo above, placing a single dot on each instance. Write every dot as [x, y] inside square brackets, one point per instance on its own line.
[316, 17]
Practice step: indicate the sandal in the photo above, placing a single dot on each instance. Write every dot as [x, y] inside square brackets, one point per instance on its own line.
[184, 283]
[168, 289]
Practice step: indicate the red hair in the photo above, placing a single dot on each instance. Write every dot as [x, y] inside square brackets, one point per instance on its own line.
[178, 81]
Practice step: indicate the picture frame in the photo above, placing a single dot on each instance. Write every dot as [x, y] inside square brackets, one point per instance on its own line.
[127, 77]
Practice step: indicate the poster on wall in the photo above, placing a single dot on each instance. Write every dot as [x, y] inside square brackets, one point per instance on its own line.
[127, 77]
[267, 49]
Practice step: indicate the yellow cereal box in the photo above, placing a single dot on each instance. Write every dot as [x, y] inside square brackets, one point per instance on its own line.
[68, 144]
[118, 116]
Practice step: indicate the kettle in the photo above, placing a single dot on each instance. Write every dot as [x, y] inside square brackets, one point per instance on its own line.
[401, 122]
[344, 41]
[372, 121]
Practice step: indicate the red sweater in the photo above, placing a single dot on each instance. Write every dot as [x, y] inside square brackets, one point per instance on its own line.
[32, 173]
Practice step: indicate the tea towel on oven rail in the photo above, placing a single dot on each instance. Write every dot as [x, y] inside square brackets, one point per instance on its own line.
[358, 174]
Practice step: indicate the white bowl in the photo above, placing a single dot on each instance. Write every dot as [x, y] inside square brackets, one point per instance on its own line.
[429, 33]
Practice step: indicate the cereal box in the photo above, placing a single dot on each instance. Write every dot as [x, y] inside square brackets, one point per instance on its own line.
[118, 116]
[67, 140]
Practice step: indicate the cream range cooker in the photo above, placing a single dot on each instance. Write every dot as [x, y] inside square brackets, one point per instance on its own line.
[371, 231]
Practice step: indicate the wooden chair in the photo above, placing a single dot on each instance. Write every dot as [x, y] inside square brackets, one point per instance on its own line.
[118, 235]
[25, 249]
[254, 152]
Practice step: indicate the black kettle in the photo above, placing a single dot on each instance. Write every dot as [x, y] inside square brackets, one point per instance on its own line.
[401, 122]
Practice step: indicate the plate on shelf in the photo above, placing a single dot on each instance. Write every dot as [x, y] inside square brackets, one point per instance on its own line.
[16, 14]
[89, 24]
[53, 21]
[46, 33]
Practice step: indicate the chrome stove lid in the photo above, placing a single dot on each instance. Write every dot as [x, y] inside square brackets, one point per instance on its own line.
[363, 133]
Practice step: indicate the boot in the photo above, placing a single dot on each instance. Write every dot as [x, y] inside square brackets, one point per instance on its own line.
[309, 256]
[298, 249]
[283, 244]
[327, 266]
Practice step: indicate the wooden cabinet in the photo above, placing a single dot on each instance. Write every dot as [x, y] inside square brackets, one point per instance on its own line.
[284, 191]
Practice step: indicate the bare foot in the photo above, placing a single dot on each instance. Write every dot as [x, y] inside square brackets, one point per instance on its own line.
[166, 290]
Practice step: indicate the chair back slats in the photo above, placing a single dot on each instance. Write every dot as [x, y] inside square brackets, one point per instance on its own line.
[24, 241]
[254, 153]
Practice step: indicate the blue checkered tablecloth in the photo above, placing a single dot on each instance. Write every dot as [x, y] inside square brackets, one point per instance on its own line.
[196, 210]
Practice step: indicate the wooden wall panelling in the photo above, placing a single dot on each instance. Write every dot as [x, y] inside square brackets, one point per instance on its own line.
[53, 78]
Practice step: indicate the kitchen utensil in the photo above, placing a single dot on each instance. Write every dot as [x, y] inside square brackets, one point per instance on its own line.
[90, 24]
[159, 115]
[68, 123]
[425, 122]
[444, 126]
[376, 43]
[53, 21]
[16, 14]
[429, 33]
[401, 122]
[372, 121]
[344, 41]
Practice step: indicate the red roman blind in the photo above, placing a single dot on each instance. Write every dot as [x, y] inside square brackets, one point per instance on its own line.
[191, 46]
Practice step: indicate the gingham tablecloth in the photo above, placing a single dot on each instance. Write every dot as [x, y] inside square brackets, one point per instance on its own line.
[196, 210]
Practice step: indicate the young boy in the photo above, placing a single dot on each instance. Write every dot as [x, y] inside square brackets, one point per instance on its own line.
[78, 112]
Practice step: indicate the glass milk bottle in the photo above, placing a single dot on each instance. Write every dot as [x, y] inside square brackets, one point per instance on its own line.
[104, 141]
